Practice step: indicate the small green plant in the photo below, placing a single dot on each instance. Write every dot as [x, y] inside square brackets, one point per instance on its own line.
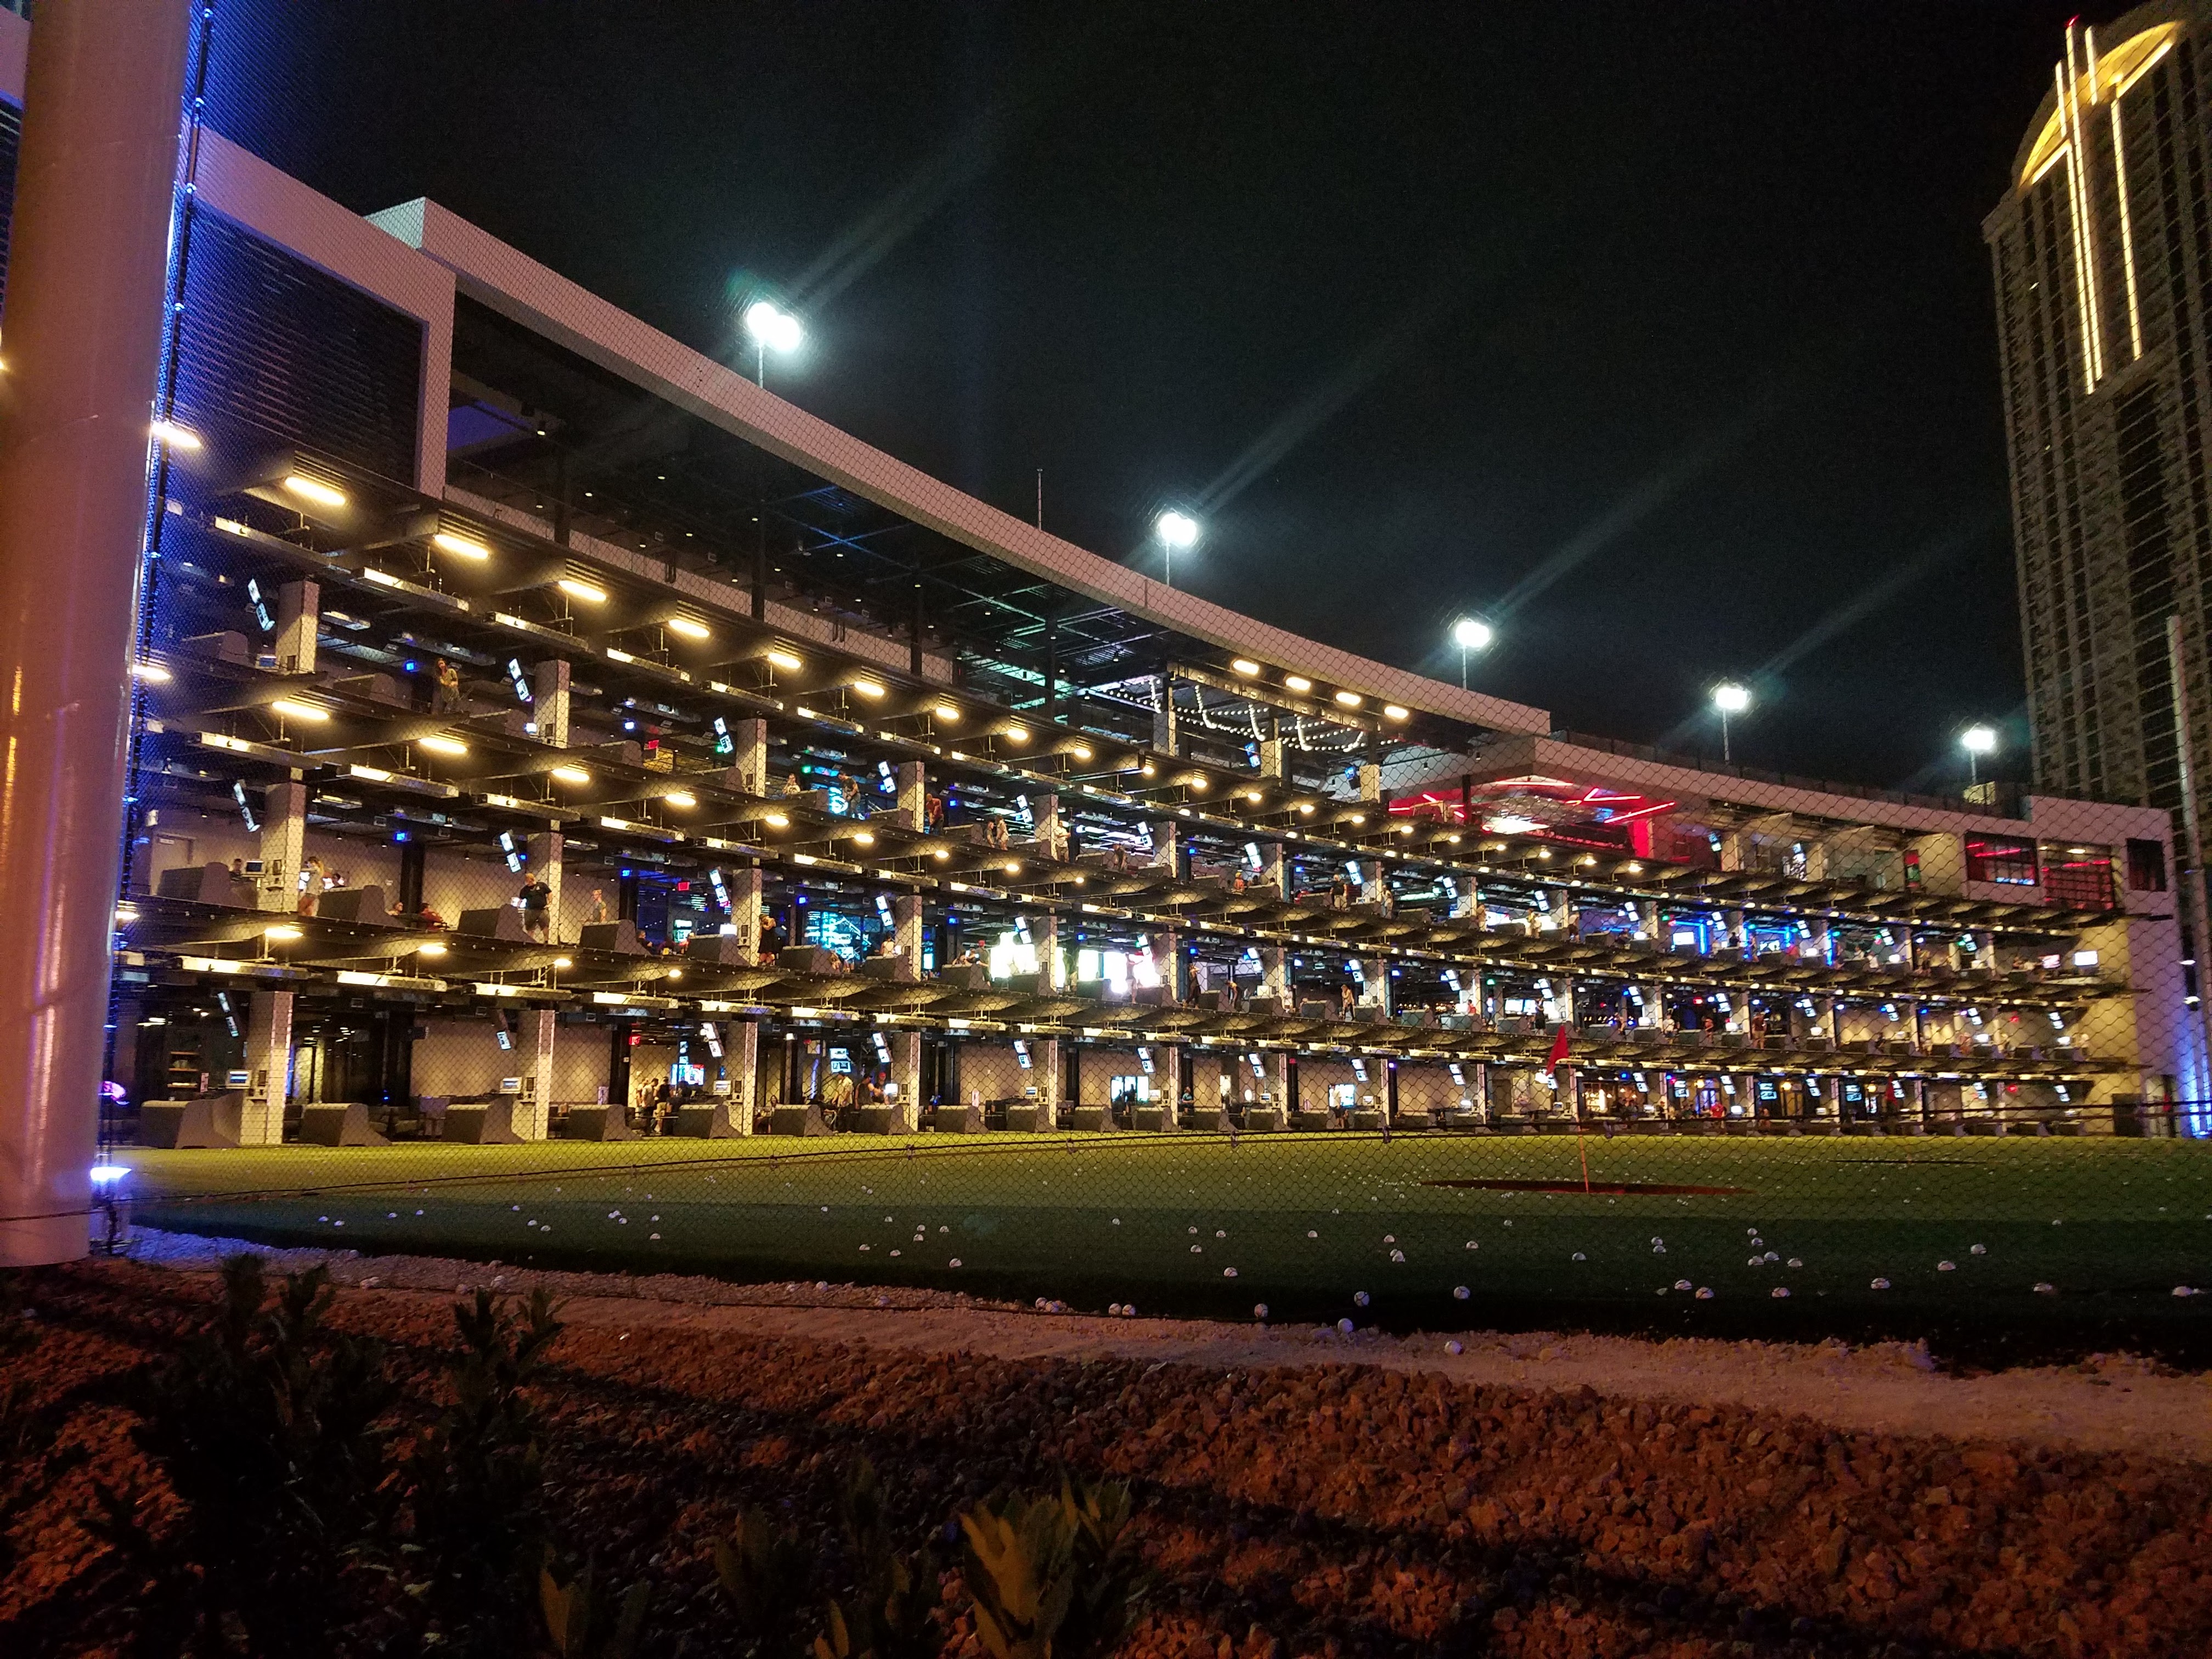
[764, 1570]
[890, 1612]
[1053, 1576]
[266, 1425]
[475, 1480]
[579, 1625]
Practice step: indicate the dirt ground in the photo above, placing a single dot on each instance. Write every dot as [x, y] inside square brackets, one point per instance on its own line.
[1303, 1493]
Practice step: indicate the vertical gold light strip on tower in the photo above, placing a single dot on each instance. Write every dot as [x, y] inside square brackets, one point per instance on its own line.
[2073, 228]
[2085, 213]
[2127, 231]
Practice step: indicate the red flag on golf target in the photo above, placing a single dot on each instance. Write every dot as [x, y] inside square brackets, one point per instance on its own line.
[1558, 1054]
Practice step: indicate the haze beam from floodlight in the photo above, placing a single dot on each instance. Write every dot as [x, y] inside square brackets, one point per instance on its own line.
[1470, 633]
[1729, 698]
[1175, 530]
[772, 328]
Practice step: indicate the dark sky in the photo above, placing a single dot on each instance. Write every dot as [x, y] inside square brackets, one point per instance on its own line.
[1662, 334]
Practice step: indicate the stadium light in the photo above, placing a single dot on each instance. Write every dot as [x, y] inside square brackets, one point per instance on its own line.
[1729, 698]
[1470, 633]
[1978, 740]
[1175, 530]
[773, 329]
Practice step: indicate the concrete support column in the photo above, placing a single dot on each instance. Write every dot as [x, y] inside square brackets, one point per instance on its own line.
[910, 780]
[268, 1069]
[741, 1060]
[1734, 922]
[298, 607]
[906, 1073]
[1371, 781]
[1163, 716]
[1165, 843]
[1275, 972]
[1044, 809]
[545, 863]
[284, 845]
[747, 757]
[1559, 907]
[1275, 760]
[1275, 869]
[1044, 936]
[907, 932]
[1647, 917]
[548, 703]
[94, 183]
[1731, 850]
[533, 1113]
[1168, 958]
[1167, 1078]
[1044, 1071]
[744, 890]
[1374, 983]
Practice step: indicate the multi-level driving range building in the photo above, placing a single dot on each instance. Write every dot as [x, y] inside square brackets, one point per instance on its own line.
[2102, 257]
[848, 787]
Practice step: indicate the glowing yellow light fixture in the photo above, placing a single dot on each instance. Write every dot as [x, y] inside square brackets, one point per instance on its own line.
[676, 973]
[1245, 665]
[299, 711]
[1296, 683]
[314, 491]
[940, 855]
[869, 688]
[282, 933]
[1017, 734]
[1198, 786]
[1392, 711]
[790, 662]
[433, 949]
[444, 746]
[563, 962]
[1349, 699]
[577, 588]
[681, 797]
[575, 774]
[1305, 809]
[1254, 796]
[948, 713]
[776, 821]
[863, 838]
[169, 433]
[1013, 869]
[1081, 750]
[152, 673]
[463, 547]
[689, 629]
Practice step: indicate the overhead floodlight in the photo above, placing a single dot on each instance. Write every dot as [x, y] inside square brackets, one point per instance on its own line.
[681, 797]
[787, 661]
[949, 713]
[1730, 698]
[443, 745]
[152, 673]
[464, 547]
[282, 933]
[1978, 740]
[575, 588]
[176, 437]
[1471, 633]
[772, 327]
[313, 490]
[1245, 666]
[1393, 711]
[869, 688]
[1296, 683]
[298, 711]
[575, 774]
[689, 628]
[1177, 529]
[432, 949]
[1350, 699]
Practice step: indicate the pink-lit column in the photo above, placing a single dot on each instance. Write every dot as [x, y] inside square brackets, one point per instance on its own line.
[84, 323]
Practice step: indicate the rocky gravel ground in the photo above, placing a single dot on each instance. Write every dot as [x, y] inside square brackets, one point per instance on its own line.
[1320, 1505]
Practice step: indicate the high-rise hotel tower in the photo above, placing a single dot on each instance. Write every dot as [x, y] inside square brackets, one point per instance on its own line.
[2103, 255]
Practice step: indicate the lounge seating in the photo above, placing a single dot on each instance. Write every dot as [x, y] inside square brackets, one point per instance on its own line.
[338, 1123]
[204, 1121]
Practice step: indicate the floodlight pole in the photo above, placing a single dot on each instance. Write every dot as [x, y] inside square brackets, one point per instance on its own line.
[1726, 758]
[86, 301]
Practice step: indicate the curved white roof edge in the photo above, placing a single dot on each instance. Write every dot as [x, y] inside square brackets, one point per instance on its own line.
[511, 283]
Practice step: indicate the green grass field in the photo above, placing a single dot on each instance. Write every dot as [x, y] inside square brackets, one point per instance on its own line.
[1306, 1223]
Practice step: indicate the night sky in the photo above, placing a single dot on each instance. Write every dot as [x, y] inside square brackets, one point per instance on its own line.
[1662, 335]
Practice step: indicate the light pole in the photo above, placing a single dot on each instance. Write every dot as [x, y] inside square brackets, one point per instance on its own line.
[1978, 741]
[770, 326]
[1731, 699]
[1470, 633]
[1175, 530]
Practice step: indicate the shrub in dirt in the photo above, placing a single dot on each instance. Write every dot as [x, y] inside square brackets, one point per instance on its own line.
[30, 1468]
[475, 1483]
[580, 1625]
[1053, 1576]
[891, 1612]
[265, 1427]
[765, 1572]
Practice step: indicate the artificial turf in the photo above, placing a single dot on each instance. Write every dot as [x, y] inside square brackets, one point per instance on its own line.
[1311, 1224]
